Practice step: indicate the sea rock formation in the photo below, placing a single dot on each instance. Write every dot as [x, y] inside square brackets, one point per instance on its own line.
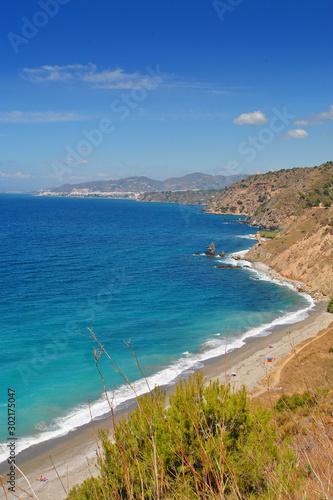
[210, 250]
[229, 266]
[222, 254]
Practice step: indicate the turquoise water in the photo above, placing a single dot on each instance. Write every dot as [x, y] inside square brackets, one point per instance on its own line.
[128, 270]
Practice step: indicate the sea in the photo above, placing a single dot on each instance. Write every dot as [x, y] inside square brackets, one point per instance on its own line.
[126, 273]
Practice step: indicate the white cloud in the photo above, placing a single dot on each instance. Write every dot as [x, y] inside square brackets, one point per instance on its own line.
[316, 118]
[297, 133]
[185, 115]
[117, 78]
[101, 174]
[38, 117]
[301, 123]
[255, 118]
[88, 73]
[17, 175]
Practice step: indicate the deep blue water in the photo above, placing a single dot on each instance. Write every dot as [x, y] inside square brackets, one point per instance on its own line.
[128, 270]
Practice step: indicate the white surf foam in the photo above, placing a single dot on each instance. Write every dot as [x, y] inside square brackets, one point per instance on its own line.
[183, 367]
[246, 236]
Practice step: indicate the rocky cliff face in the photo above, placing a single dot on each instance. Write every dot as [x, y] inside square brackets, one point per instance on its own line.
[197, 197]
[275, 199]
[297, 202]
[303, 250]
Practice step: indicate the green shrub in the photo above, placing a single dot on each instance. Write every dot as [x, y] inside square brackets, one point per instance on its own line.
[294, 401]
[269, 234]
[330, 306]
[262, 198]
[208, 443]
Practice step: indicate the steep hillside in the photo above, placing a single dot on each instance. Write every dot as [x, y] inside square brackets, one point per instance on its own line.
[200, 181]
[275, 199]
[197, 197]
[296, 203]
[303, 250]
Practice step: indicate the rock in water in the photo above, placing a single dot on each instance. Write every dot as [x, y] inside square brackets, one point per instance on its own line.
[210, 250]
[222, 254]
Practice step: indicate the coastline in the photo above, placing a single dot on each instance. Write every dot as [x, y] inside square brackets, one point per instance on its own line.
[74, 455]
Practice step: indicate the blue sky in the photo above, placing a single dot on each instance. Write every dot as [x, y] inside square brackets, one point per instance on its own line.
[110, 89]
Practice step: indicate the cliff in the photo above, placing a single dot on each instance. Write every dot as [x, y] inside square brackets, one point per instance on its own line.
[274, 199]
[303, 250]
[296, 203]
[198, 197]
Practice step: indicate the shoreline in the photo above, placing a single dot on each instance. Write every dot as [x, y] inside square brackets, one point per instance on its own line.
[74, 455]
[200, 361]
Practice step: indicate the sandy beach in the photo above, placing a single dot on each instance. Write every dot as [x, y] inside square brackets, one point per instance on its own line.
[70, 460]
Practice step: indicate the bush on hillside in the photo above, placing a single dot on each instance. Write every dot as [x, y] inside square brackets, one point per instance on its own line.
[330, 306]
[208, 443]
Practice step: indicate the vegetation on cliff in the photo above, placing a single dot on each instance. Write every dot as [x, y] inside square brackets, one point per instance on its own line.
[198, 197]
[273, 199]
[330, 306]
[212, 443]
[302, 250]
[296, 205]
[208, 443]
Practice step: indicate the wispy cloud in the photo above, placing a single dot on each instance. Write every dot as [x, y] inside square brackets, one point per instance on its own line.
[87, 73]
[116, 78]
[18, 175]
[39, 116]
[316, 118]
[184, 115]
[297, 133]
[255, 118]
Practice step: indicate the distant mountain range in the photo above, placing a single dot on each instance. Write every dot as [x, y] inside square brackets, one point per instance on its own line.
[132, 187]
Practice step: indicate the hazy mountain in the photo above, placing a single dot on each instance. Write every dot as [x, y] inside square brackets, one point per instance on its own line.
[144, 184]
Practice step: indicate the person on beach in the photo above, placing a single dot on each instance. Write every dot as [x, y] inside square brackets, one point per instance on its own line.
[42, 479]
